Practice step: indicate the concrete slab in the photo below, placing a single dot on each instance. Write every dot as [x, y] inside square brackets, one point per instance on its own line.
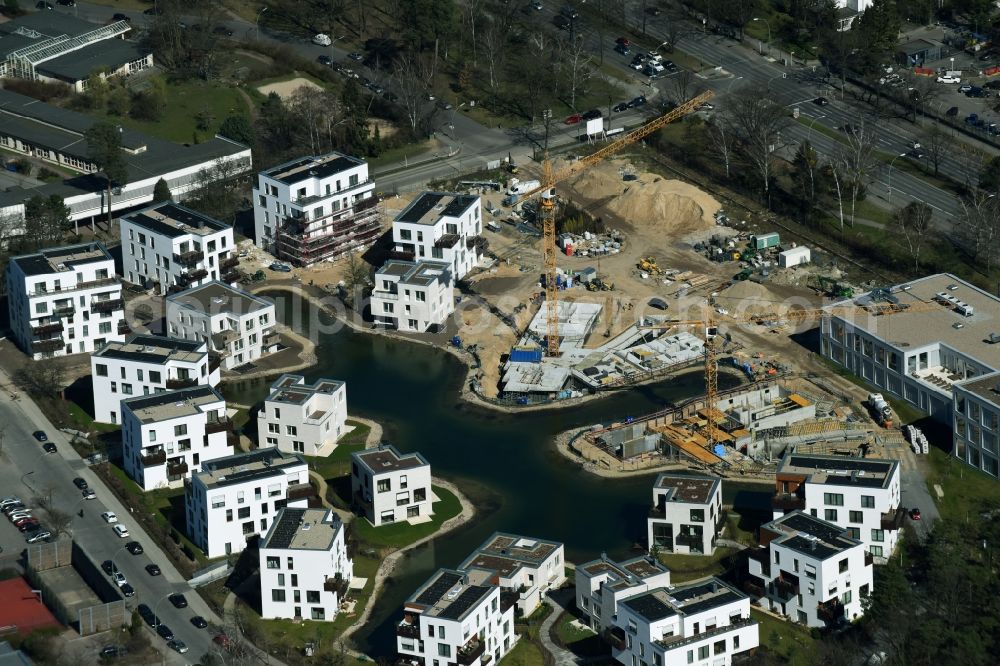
[419, 520]
[357, 583]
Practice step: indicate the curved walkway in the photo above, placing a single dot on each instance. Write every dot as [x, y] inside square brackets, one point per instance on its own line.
[560, 601]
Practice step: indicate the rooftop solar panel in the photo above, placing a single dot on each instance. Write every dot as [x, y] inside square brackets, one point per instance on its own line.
[438, 588]
[649, 607]
[283, 533]
[469, 597]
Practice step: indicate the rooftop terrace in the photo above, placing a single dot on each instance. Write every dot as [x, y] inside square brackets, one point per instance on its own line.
[387, 459]
[303, 529]
[840, 470]
[688, 489]
[173, 404]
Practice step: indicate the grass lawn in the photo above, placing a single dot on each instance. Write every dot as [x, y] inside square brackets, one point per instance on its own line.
[689, 567]
[410, 151]
[87, 424]
[400, 535]
[338, 463]
[792, 643]
[582, 642]
[965, 489]
[525, 653]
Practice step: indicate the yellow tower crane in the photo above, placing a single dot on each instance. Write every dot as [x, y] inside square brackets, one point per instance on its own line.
[547, 207]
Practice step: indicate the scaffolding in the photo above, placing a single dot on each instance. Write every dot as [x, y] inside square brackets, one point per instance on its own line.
[302, 241]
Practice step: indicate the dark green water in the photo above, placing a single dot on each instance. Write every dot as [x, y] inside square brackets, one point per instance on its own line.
[507, 462]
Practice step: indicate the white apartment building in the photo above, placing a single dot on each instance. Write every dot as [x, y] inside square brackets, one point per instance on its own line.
[167, 436]
[526, 566]
[976, 422]
[859, 495]
[810, 570]
[303, 418]
[304, 568]
[65, 300]
[315, 208]
[456, 617]
[441, 226]
[686, 516]
[415, 297]
[145, 364]
[172, 248]
[388, 487]
[234, 499]
[238, 326]
[601, 586]
[706, 623]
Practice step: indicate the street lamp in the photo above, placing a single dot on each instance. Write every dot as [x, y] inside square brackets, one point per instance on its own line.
[768, 23]
[257, 21]
[889, 199]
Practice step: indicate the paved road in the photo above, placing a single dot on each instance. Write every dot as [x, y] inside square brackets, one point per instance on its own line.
[914, 493]
[29, 472]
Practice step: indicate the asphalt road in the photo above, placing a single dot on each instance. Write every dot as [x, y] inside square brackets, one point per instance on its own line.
[28, 472]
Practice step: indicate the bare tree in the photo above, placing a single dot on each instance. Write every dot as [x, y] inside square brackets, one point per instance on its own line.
[473, 10]
[540, 47]
[723, 140]
[757, 122]
[681, 84]
[978, 227]
[577, 59]
[913, 222]
[411, 84]
[857, 163]
[312, 111]
[936, 143]
[57, 521]
[494, 42]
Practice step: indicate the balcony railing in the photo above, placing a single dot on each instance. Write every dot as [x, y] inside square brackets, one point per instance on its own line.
[231, 261]
[615, 637]
[869, 559]
[177, 466]
[109, 305]
[337, 584]
[89, 284]
[155, 458]
[189, 258]
[297, 491]
[763, 557]
[386, 295]
[785, 589]
[447, 241]
[674, 642]
[124, 328]
[232, 276]
[64, 310]
[177, 383]
[830, 611]
[43, 346]
[408, 630]
[197, 274]
[893, 520]
[271, 339]
[507, 600]
[754, 589]
[47, 328]
[788, 502]
[471, 651]
[214, 362]
[218, 426]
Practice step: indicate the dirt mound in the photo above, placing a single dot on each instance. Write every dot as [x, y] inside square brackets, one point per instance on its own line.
[650, 202]
[751, 298]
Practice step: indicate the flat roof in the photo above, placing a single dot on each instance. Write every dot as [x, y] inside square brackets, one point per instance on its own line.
[930, 322]
[312, 166]
[688, 599]
[387, 459]
[145, 348]
[430, 207]
[218, 297]
[62, 259]
[986, 387]
[39, 28]
[303, 529]
[292, 389]
[688, 489]
[810, 535]
[451, 594]
[420, 273]
[77, 65]
[244, 467]
[506, 553]
[22, 608]
[172, 404]
[174, 220]
[641, 567]
[840, 470]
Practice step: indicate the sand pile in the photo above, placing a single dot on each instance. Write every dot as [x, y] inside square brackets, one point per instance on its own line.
[285, 89]
[650, 202]
[744, 298]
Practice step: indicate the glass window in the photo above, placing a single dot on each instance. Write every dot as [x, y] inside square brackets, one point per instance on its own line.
[856, 516]
[842, 565]
[878, 535]
[277, 595]
[833, 499]
[273, 563]
[719, 647]
[703, 652]
[867, 501]
[312, 596]
[102, 370]
[830, 514]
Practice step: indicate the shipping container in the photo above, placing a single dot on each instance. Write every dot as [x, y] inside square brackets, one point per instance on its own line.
[764, 241]
[526, 355]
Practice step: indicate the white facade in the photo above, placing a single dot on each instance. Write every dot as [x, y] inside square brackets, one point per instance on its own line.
[976, 423]
[388, 487]
[143, 365]
[237, 497]
[810, 570]
[456, 617]
[304, 568]
[525, 566]
[315, 208]
[167, 436]
[65, 300]
[414, 297]
[686, 516]
[441, 226]
[602, 585]
[303, 418]
[704, 623]
[173, 248]
[859, 495]
[237, 325]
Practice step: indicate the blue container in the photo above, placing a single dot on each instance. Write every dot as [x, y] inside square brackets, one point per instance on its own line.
[526, 355]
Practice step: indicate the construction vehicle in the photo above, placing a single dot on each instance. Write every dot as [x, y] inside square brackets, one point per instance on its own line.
[648, 265]
[548, 204]
[830, 287]
[881, 411]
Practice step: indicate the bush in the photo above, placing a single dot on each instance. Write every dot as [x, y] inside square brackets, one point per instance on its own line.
[38, 89]
[48, 174]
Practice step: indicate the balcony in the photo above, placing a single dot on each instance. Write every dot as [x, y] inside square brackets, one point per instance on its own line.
[177, 467]
[214, 362]
[178, 383]
[337, 584]
[831, 611]
[754, 588]
[869, 559]
[154, 458]
[221, 425]
[197, 274]
[409, 628]
[657, 512]
[788, 502]
[107, 305]
[508, 600]
[47, 328]
[615, 637]
[893, 520]
[386, 295]
[232, 276]
[271, 339]
[447, 241]
[674, 642]
[124, 328]
[785, 588]
[471, 651]
[297, 491]
[64, 310]
[189, 258]
[409, 660]
[46, 346]
[763, 557]
[231, 261]
[89, 284]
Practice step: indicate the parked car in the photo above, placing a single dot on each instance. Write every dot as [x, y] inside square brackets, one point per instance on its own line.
[953, 111]
[358, 57]
[113, 651]
[178, 646]
[31, 525]
[537, 6]
[15, 516]
[40, 436]
[66, 3]
[153, 570]
[146, 613]
[128, 590]
[12, 507]
[821, 101]
[119, 578]
[222, 30]
[325, 60]
[948, 78]
[178, 600]
[573, 120]
[109, 517]
[279, 267]
[164, 632]
[560, 22]
[89, 494]
[120, 530]
[49, 447]
[637, 101]
[44, 5]
[108, 566]
[623, 49]
[40, 535]
[134, 547]
[80, 483]
[964, 88]
[7, 501]
[26, 519]
[199, 622]
[621, 106]
[592, 114]
[915, 513]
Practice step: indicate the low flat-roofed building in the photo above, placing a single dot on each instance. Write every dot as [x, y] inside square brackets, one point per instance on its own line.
[687, 514]
[413, 297]
[389, 487]
[703, 622]
[304, 568]
[809, 569]
[167, 436]
[976, 423]
[601, 585]
[233, 499]
[526, 566]
[860, 495]
[441, 226]
[144, 364]
[65, 300]
[171, 248]
[303, 418]
[238, 326]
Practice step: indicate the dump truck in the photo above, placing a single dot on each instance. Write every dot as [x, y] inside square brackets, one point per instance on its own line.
[880, 409]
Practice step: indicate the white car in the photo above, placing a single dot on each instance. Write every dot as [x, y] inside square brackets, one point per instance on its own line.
[322, 40]
[119, 578]
[947, 78]
[121, 531]
[109, 517]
